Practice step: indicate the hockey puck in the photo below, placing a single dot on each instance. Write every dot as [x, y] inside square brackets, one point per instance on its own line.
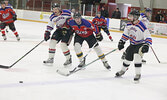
[20, 81]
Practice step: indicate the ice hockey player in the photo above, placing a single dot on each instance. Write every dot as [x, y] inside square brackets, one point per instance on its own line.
[101, 22]
[7, 5]
[84, 30]
[62, 33]
[7, 17]
[140, 39]
[144, 17]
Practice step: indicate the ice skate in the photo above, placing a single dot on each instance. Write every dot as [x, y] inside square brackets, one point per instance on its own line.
[49, 61]
[4, 37]
[82, 63]
[17, 37]
[137, 78]
[68, 62]
[120, 73]
[143, 61]
[106, 65]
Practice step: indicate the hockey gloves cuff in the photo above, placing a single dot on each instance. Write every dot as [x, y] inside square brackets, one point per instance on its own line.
[47, 35]
[99, 37]
[121, 44]
[145, 48]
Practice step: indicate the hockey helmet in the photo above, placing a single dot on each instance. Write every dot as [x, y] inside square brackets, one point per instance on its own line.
[135, 14]
[77, 15]
[148, 10]
[55, 5]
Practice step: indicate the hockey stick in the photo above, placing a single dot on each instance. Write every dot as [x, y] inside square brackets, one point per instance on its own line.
[155, 54]
[7, 67]
[76, 69]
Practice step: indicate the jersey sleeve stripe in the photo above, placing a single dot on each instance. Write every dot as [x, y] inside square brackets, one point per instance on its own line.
[49, 28]
[125, 37]
[149, 41]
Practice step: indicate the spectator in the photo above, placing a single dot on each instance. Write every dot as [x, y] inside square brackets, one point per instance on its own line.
[163, 20]
[158, 17]
[104, 12]
[116, 14]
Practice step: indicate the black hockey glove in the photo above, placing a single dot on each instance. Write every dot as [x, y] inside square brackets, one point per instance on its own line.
[145, 48]
[121, 44]
[14, 17]
[47, 35]
[99, 37]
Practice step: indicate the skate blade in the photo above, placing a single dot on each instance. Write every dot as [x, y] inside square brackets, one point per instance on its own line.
[69, 65]
[136, 81]
[48, 64]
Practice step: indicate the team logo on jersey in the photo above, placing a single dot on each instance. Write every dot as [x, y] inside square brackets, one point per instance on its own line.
[59, 18]
[4, 16]
[132, 28]
[81, 32]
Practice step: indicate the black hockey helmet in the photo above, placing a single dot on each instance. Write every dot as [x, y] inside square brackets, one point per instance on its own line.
[77, 15]
[135, 14]
[55, 5]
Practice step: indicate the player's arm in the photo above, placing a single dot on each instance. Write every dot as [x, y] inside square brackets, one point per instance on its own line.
[148, 41]
[123, 39]
[104, 24]
[49, 28]
[13, 13]
[94, 21]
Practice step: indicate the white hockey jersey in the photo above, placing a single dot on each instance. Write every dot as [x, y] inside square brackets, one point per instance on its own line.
[137, 34]
[144, 19]
[59, 21]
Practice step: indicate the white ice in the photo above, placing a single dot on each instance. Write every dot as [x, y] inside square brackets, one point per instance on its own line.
[41, 82]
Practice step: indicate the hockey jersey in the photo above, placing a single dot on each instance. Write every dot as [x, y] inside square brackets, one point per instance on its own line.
[137, 34]
[59, 21]
[6, 14]
[144, 19]
[85, 29]
[99, 21]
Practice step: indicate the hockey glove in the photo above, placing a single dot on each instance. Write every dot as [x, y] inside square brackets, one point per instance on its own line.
[47, 35]
[121, 44]
[145, 48]
[99, 37]
[14, 17]
[64, 31]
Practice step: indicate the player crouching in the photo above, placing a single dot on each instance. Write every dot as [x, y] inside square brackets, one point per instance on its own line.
[140, 39]
[84, 30]
[7, 18]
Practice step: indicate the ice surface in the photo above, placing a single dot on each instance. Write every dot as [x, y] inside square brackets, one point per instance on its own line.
[41, 82]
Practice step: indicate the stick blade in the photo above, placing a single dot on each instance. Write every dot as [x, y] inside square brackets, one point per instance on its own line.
[64, 73]
[5, 67]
